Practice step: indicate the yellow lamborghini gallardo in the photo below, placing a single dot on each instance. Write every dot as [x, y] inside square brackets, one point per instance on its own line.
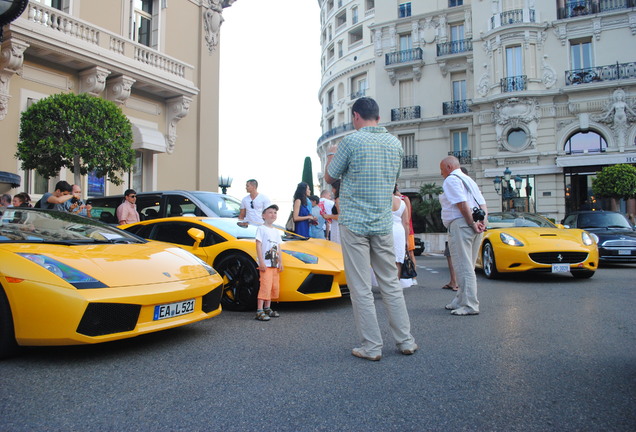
[67, 280]
[313, 269]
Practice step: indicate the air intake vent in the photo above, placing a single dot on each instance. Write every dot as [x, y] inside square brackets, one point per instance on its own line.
[212, 299]
[106, 318]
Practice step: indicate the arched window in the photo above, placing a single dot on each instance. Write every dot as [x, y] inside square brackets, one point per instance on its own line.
[585, 142]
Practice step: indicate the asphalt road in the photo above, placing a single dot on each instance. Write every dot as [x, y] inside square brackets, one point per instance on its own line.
[546, 353]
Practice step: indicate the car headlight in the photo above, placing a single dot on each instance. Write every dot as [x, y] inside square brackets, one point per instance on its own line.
[207, 266]
[509, 240]
[78, 279]
[302, 256]
[589, 239]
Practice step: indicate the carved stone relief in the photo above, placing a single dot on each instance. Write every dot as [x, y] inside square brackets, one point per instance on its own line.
[93, 80]
[549, 75]
[618, 113]
[513, 114]
[11, 59]
[483, 86]
[118, 89]
[176, 109]
[212, 20]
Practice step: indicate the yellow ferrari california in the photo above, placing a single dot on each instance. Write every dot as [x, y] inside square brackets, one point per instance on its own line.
[520, 242]
[69, 280]
[313, 269]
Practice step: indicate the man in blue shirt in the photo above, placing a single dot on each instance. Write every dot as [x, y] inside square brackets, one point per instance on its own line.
[368, 163]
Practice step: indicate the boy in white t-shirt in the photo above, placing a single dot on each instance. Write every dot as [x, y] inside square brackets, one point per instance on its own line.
[270, 263]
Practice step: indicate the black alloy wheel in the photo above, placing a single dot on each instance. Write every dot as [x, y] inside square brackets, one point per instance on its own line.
[488, 262]
[241, 281]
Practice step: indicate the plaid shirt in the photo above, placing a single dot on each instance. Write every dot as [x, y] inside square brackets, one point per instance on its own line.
[368, 162]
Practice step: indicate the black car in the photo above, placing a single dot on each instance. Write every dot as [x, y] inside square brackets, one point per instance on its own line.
[419, 246]
[616, 237]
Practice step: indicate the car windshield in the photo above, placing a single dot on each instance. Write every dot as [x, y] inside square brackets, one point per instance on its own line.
[602, 220]
[223, 205]
[232, 227]
[516, 220]
[25, 225]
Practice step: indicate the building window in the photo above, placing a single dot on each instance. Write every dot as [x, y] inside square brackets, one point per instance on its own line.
[581, 54]
[340, 49]
[517, 139]
[341, 19]
[585, 142]
[459, 90]
[457, 32]
[143, 22]
[460, 141]
[404, 10]
[63, 5]
[514, 62]
[406, 93]
[355, 35]
[408, 145]
[453, 3]
[370, 5]
[359, 86]
[354, 15]
[136, 175]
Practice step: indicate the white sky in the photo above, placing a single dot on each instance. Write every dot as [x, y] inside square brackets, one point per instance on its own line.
[269, 109]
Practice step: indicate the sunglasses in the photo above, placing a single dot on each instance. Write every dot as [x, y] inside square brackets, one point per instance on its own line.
[252, 204]
[132, 196]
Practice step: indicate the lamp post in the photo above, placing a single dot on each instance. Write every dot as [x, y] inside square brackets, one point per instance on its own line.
[9, 11]
[503, 185]
[224, 183]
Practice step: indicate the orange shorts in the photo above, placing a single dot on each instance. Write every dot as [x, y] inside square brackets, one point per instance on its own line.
[411, 242]
[270, 284]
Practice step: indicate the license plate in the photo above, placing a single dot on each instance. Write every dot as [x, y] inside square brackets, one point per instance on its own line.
[624, 252]
[560, 268]
[171, 310]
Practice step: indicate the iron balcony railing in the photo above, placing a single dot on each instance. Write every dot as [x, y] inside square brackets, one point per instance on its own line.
[454, 47]
[464, 156]
[405, 113]
[601, 73]
[588, 7]
[514, 16]
[358, 94]
[336, 131]
[456, 107]
[405, 56]
[514, 83]
[409, 161]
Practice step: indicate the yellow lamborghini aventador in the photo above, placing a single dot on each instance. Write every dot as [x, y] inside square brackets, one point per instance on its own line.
[313, 268]
[67, 280]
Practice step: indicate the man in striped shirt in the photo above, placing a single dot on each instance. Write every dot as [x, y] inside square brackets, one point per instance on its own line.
[368, 163]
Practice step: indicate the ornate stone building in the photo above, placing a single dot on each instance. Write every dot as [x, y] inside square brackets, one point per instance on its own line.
[542, 89]
[157, 59]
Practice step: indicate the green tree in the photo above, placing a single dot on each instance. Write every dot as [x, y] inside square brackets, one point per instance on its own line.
[80, 132]
[429, 208]
[308, 174]
[615, 181]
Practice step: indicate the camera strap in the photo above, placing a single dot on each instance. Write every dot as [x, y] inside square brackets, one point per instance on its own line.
[468, 189]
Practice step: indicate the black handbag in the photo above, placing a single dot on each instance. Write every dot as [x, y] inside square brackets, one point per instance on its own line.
[408, 269]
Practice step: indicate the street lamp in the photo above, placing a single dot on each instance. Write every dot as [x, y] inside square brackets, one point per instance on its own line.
[503, 185]
[224, 183]
[9, 11]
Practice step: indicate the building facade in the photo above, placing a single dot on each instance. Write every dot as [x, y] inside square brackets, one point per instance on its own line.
[541, 90]
[157, 59]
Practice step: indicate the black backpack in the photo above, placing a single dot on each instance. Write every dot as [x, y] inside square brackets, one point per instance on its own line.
[49, 206]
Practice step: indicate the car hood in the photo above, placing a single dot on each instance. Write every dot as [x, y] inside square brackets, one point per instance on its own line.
[115, 265]
[327, 251]
[532, 235]
[612, 233]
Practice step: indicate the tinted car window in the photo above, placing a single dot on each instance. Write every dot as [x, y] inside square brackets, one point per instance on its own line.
[222, 205]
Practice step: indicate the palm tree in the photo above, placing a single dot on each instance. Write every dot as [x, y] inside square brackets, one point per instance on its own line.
[429, 208]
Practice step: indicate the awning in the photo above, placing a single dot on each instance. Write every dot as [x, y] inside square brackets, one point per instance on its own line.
[147, 138]
[9, 178]
[597, 159]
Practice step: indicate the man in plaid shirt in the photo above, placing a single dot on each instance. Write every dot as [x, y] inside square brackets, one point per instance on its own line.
[368, 163]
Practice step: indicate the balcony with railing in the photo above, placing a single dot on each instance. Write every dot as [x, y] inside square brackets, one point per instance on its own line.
[358, 94]
[405, 113]
[405, 56]
[336, 131]
[456, 107]
[87, 45]
[587, 7]
[454, 47]
[514, 83]
[515, 16]
[464, 156]
[611, 72]
[409, 162]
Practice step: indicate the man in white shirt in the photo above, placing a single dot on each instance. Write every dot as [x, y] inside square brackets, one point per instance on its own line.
[252, 205]
[461, 195]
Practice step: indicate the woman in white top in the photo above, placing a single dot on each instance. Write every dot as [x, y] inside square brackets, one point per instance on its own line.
[400, 230]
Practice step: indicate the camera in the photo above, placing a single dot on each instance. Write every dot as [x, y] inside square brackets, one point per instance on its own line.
[74, 200]
[478, 214]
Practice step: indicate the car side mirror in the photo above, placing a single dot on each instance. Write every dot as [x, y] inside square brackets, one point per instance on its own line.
[565, 226]
[197, 235]
[561, 226]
